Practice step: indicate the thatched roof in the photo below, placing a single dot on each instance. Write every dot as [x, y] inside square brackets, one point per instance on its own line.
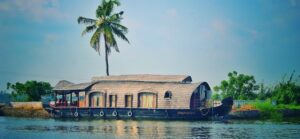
[181, 92]
[146, 78]
[62, 84]
[179, 85]
[66, 85]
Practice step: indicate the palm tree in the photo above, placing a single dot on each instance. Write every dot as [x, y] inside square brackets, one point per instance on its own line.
[107, 24]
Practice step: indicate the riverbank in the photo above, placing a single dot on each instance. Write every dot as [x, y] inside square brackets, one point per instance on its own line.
[19, 112]
[24, 109]
[265, 111]
[261, 111]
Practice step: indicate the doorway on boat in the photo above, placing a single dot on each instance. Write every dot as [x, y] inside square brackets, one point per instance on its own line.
[147, 100]
[200, 96]
[97, 99]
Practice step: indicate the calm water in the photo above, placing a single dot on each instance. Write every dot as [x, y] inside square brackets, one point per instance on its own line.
[57, 129]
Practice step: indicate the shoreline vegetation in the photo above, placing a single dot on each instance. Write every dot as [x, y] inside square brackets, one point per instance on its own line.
[24, 109]
[263, 103]
[253, 111]
[265, 111]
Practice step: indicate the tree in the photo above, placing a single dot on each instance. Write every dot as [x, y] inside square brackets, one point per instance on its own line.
[29, 91]
[238, 86]
[107, 24]
[216, 96]
[287, 91]
[264, 92]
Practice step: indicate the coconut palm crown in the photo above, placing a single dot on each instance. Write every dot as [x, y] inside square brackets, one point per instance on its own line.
[107, 25]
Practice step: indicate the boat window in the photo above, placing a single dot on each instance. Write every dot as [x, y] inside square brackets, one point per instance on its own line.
[112, 100]
[97, 99]
[128, 100]
[168, 95]
[147, 100]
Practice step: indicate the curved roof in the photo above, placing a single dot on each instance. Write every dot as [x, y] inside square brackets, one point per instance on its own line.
[64, 85]
[181, 92]
[146, 78]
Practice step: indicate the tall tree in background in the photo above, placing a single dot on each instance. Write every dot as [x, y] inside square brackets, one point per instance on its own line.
[107, 24]
[238, 86]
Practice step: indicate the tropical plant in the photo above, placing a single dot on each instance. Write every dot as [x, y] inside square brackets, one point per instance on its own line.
[107, 24]
[287, 91]
[238, 86]
[264, 92]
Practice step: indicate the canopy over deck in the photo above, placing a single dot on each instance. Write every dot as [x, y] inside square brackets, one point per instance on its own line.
[69, 86]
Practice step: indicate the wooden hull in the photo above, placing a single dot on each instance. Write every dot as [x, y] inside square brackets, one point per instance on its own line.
[139, 113]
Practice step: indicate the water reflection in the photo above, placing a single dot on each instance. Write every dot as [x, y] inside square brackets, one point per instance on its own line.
[119, 128]
[147, 129]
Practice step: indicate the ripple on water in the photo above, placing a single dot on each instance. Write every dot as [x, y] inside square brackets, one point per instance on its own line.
[49, 128]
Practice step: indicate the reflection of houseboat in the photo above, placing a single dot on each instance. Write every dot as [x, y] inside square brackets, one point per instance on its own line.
[136, 97]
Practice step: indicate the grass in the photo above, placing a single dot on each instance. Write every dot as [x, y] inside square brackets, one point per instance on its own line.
[270, 111]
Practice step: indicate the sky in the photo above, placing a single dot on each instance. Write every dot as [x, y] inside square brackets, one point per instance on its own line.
[41, 40]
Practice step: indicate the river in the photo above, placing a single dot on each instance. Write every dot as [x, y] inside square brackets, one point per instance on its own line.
[14, 128]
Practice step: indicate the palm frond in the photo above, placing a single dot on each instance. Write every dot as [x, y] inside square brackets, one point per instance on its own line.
[88, 29]
[119, 33]
[116, 18]
[110, 39]
[85, 20]
[114, 42]
[95, 40]
[110, 6]
[121, 27]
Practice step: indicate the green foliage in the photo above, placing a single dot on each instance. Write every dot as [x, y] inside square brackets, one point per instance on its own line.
[238, 86]
[108, 25]
[268, 110]
[216, 96]
[29, 91]
[264, 92]
[287, 91]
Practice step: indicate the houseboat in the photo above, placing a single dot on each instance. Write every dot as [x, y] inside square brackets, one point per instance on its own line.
[137, 97]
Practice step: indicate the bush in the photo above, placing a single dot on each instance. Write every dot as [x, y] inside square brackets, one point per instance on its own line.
[268, 110]
[287, 91]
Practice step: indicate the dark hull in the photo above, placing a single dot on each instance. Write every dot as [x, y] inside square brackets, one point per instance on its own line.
[139, 113]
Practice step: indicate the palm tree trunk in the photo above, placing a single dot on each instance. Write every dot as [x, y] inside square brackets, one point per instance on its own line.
[106, 57]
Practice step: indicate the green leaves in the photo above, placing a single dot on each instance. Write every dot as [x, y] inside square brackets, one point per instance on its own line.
[108, 25]
[239, 86]
[287, 92]
[95, 40]
[30, 90]
[84, 20]
[88, 29]
[106, 8]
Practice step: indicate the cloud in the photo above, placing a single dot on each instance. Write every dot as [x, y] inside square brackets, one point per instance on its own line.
[221, 27]
[171, 12]
[293, 3]
[33, 9]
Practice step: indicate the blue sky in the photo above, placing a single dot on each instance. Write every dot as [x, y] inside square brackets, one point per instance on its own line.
[41, 40]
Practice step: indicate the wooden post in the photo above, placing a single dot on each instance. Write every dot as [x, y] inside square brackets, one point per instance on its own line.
[55, 99]
[77, 94]
[71, 101]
